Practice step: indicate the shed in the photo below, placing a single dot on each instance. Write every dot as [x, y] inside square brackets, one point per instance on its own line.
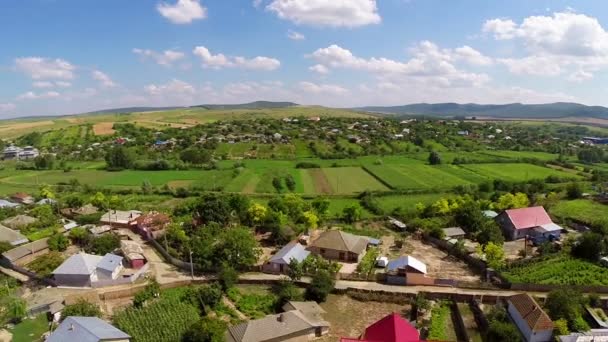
[11, 236]
[406, 264]
[489, 213]
[454, 232]
[133, 253]
[109, 266]
[397, 224]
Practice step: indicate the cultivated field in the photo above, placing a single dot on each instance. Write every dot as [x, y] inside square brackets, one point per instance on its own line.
[559, 270]
[583, 210]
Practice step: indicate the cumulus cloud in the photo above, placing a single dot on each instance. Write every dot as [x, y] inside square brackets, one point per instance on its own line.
[319, 69]
[30, 95]
[48, 84]
[63, 84]
[471, 56]
[7, 107]
[315, 88]
[293, 35]
[429, 63]
[174, 89]
[220, 61]
[164, 58]
[40, 68]
[103, 79]
[567, 41]
[335, 13]
[183, 11]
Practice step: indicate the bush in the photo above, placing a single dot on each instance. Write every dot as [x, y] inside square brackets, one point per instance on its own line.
[58, 243]
[321, 285]
[81, 308]
[307, 165]
[104, 244]
[228, 277]
[207, 329]
[44, 265]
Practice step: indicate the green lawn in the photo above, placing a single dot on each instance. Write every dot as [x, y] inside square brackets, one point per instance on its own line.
[559, 270]
[30, 330]
[583, 210]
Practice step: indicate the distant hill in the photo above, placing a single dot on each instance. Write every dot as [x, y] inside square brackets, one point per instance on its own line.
[132, 110]
[512, 110]
[250, 105]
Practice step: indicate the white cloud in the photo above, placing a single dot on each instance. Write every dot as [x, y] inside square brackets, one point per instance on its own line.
[174, 89]
[63, 84]
[328, 89]
[293, 35]
[103, 79]
[7, 107]
[221, 61]
[334, 13]
[165, 58]
[40, 68]
[30, 95]
[429, 63]
[182, 12]
[42, 84]
[319, 69]
[471, 56]
[565, 42]
[257, 3]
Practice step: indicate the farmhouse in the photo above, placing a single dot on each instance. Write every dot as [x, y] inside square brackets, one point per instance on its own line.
[279, 263]
[22, 198]
[151, 225]
[392, 328]
[87, 329]
[533, 221]
[407, 270]
[13, 237]
[533, 323]
[291, 325]
[340, 246]
[120, 218]
[82, 269]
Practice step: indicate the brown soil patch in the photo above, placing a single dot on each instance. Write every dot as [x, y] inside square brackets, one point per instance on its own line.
[349, 317]
[321, 182]
[103, 128]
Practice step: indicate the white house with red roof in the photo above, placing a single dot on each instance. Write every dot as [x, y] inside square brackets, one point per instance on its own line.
[522, 222]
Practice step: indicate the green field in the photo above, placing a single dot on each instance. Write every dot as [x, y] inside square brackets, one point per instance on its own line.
[583, 210]
[515, 172]
[559, 270]
[349, 180]
[544, 156]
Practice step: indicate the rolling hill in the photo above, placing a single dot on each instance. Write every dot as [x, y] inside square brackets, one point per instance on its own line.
[512, 110]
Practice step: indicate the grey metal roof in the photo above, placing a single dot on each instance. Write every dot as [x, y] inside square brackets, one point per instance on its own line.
[23, 250]
[11, 236]
[270, 328]
[7, 204]
[81, 263]
[453, 231]
[110, 262]
[405, 261]
[86, 329]
[292, 250]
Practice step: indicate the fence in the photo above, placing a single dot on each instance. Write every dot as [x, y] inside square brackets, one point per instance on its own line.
[32, 275]
[186, 266]
[120, 281]
[478, 264]
[480, 317]
[459, 327]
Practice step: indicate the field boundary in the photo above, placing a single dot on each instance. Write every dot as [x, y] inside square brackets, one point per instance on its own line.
[382, 181]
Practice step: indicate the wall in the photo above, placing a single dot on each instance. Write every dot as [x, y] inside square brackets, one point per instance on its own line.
[173, 261]
[335, 254]
[118, 281]
[73, 280]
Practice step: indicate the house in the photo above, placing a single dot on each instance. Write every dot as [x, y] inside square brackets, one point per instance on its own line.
[454, 233]
[533, 323]
[87, 329]
[152, 225]
[397, 224]
[25, 253]
[28, 152]
[11, 152]
[88, 209]
[531, 222]
[340, 246]
[133, 253]
[392, 328]
[99, 230]
[46, 201]
[19, 221]
[23, 198]
[310, 309]
[7, 204]
[279, 263]
[291, 325]
[109, 267]
[120, 218]
[82, 269]
[587, 336]
[13, 237]
[407, 270]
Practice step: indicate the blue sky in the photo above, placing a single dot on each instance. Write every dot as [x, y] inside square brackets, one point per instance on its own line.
[71, 56]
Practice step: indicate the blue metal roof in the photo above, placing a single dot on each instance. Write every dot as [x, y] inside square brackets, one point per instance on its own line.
[110, 262]
[292, 250]
[86, 329]
[374, 242]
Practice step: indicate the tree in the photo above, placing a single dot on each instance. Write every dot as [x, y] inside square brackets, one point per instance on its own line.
[352, 213]
[73, 201]
[257, 213]
[490, 232]
[286, 291]
[152, 290]
[12, 309]
[310, 219]
[589, 246]
[79, 236]
[237, 247]
[566, 303]
[277, 184]
[99, 200]
[205, 297]
[101, 245]
[499, 331]
[44, 162]
[119, 158]
[58, 242]
[295, 270]
[510, 201]
[560, 327]
[290, 183]
[46, 192]
[434, 158]
[574, 190]
[321, 285]
[207, 329]
[494, 255]
[195, 155]
[227, 277]
[213, 208]
[321, 206]
[5, 246]
[81, 308]
[591, 155]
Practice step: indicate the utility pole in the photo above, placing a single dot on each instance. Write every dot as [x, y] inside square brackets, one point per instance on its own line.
[191, 265]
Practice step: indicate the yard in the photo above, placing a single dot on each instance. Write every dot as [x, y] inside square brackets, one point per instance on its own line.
[30, 330]
[349, 317]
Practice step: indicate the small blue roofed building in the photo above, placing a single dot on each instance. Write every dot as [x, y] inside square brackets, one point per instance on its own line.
[279, 263]
[595, 141]
[399, 270]
[87, 329]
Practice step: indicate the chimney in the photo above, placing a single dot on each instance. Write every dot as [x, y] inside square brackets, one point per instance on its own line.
[280, 318]
[71, 327]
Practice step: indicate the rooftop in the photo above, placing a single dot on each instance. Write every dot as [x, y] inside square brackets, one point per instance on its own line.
[524, 218]
[110, 262]
[86, 329]
[272, 327]
[341, 241]
[531, 312]
[406, 261]
[292, 250]
[81, 264]
[11, 236]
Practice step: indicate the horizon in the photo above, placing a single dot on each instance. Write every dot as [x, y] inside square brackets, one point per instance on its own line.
[342, 54]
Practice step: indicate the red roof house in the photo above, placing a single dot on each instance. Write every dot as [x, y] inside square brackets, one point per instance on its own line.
[518, 223]
[152, 225]
[392, 328]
